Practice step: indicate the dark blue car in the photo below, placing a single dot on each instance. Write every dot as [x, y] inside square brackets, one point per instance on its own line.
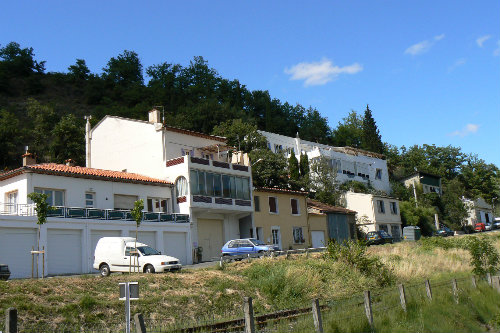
[245, 246]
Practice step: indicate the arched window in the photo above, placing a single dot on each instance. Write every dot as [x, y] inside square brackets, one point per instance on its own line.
[181, 186]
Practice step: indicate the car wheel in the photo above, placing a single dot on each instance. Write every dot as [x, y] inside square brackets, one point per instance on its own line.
[149, 269]
[104, 269]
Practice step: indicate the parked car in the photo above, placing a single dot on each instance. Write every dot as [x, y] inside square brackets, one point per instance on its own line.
[445, 232]
[114, 254]
[488, 226]
[4, 272]
[378, 237]
[245, 246]
[478, 227]
[496, 223]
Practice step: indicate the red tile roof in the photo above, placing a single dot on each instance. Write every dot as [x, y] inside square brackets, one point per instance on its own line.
[279, 190]
[83, 172]
[324, 208]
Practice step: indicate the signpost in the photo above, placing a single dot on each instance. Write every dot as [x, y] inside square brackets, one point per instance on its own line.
[128, 291]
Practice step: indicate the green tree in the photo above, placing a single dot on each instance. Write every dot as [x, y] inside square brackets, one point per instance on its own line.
[79, 71]
[68, 140]
[43, 119]
[125, 69]
[480, 179]
[304, 165]
[136, 213]
[420, 216]
[293, 171]
[42, 209]
[349, 131]
[371, 139]
[10, 139]
[19, 62]
[242, 135]
[324, 182]
[269, 169]
[455, 212]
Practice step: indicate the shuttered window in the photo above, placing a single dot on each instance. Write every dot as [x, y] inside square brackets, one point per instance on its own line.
[295, 206]
[273, 205]
[124, 201]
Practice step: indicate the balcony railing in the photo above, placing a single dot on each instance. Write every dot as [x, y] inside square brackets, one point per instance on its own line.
[91, 213]
[204, 161]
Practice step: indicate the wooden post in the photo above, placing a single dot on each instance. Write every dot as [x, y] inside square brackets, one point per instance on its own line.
[318, 322]
[249, 319]
[488, 277]
[455, 289]
[402, 296]
[428, 289]
[496, 282]
[368, 308]
[32, 262]
[11, 320]
[307, 253]
[140, 327]
[474, 283]
[43, 261]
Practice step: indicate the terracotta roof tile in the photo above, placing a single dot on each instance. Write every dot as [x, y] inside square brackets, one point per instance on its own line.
[83, 172]
[324, 208]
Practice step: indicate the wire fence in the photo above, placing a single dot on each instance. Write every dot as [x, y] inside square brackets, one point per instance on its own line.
[358, 310]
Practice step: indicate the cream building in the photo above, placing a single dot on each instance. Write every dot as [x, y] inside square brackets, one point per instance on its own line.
[479, 211]
[430, 183]
[376, 212]
[281, 217]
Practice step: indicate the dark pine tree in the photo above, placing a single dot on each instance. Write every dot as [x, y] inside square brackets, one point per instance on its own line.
[293, 167]
[371, 139]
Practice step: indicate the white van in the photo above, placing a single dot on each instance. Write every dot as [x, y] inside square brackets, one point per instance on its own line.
[113, 254]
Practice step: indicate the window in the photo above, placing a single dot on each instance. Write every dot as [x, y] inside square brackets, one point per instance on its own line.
[396, 234]
[273, 205]
[129, 250]
[378, 174]
[89, 199]
[233, 245]
[260, 233]
[123, 201]
[226, 186]
[295, 206]
[210, 184]
[181, 186]
[383, 227]
[298, 238]
[54, 197]
[11, 201]
[380, 206]
[275, 233]
[217, 185]
[158, 205]
[256, 203]
[201, 183]
[394, 207]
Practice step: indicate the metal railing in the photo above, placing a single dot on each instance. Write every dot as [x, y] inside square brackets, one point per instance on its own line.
[92, 213]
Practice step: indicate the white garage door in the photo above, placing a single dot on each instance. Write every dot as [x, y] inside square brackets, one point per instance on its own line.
[64, 251]
[146, 237]
[95, 236]
[175, 245]
[318, 239]
[15, 247]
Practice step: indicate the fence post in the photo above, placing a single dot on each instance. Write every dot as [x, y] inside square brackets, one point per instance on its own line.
[428, 289]
[402, 296]
[140, 327]
[249, 319]
[318, 322]
[474, 283]
[287, 254]
[488, 277]
[11, 321]
[496, 282]
[455, 289]
[368, 308]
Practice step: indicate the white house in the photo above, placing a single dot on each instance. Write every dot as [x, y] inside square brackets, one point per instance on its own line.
[215, 193]
[350, 163]
[478, 210]
[376, 212]
[89, 204]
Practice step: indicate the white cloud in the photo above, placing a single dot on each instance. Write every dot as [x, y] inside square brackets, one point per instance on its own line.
[423, 46]
[480, 40]
[321, 72]
[458, 63]
[496, 53]
[468, 129]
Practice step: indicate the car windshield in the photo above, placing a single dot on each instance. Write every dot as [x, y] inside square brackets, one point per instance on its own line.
[147, 251]
[384, 234]
[257, 242]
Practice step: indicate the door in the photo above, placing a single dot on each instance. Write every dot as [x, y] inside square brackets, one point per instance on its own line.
[175, 245]
[64, 251]
[210, 238]
[318, 239]
[276, 236]
[15, 247]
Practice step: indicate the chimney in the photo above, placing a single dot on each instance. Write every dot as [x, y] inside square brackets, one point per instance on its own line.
[154, 116]
[28, 159]
[70, 162]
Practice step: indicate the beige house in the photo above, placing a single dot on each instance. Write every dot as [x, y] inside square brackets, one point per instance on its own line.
[430, 183]
[479, 211]
[281, 217]
[376, 212]
[329, 222]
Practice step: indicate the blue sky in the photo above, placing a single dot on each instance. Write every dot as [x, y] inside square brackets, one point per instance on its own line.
[430, 70]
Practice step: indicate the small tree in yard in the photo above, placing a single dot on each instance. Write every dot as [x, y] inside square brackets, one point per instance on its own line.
[42, 209]
[137, 216]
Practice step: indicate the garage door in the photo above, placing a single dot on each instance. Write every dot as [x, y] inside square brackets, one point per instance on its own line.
[318, 239]
[15, 247]
[146, 237]
[95, 236]
[210, 238]
[64, 251]
[175, 245]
